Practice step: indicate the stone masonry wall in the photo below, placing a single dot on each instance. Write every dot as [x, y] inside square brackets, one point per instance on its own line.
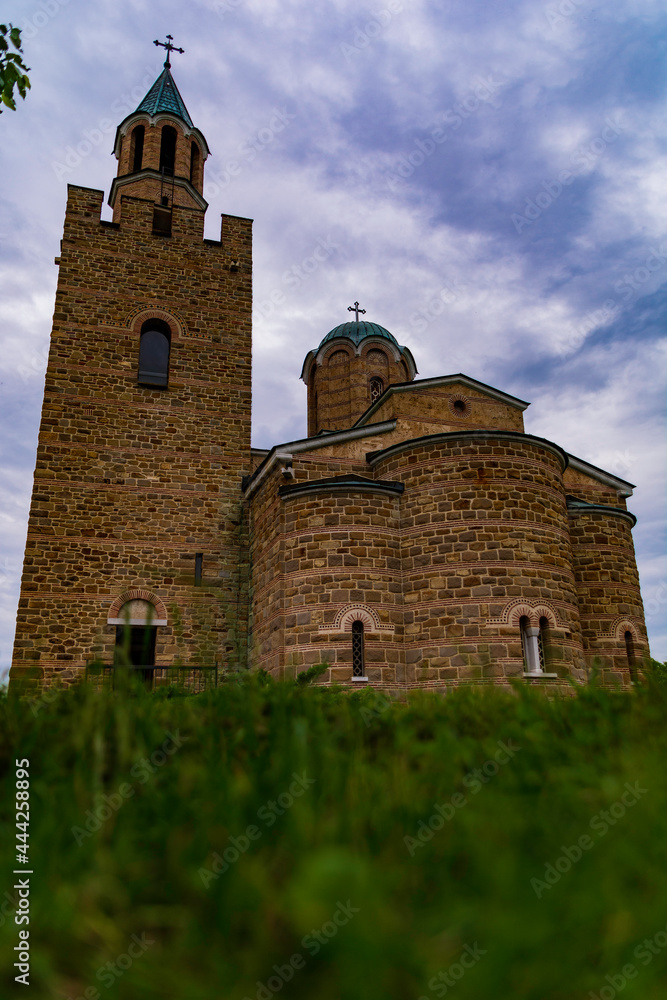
[484, 540]
[479, 539]
[339, 387]
[610, 601]
[432, 409]
[132, 481]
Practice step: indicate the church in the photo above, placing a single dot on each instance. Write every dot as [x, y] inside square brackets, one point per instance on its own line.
[418, 537]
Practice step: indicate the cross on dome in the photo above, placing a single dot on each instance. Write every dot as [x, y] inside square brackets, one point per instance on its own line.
[356, 310]
[169, 47]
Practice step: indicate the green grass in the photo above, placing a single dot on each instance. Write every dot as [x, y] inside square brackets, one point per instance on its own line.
[378, 770]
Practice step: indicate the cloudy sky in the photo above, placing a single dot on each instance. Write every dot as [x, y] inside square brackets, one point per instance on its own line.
[486, 178]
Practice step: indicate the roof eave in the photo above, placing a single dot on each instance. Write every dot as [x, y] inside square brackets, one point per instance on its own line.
[290, 448]
[607, 478]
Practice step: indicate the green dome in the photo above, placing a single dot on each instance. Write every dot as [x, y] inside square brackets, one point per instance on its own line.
[358, 331]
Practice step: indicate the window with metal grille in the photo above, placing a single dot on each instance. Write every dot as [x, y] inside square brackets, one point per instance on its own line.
[376, 388]
[523, 625]
[357, 649]
[543, 643]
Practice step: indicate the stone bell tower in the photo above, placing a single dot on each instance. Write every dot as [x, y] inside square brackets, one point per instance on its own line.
[145, 430]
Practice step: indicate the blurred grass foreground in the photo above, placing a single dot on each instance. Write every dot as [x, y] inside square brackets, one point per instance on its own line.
[272, 839]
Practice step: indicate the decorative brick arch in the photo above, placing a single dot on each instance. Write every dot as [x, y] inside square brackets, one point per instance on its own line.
[337, 349]
[356, 613]
[533, 611]
[545, 611]
[619, 626]
[375, 355]
[138, 317]
[368, 344]
[114, 618]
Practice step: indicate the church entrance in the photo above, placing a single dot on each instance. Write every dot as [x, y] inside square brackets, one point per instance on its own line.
[135, 647]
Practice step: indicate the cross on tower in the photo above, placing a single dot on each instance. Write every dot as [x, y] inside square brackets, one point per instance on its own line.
[356, 310]
[169, 47]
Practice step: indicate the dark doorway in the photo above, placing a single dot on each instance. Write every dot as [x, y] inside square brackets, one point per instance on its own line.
[135, 647]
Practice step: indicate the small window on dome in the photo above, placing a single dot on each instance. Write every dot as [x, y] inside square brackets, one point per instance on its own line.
[376, 388]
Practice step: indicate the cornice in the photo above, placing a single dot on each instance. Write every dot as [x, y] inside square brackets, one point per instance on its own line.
[148, 172]
[373, 457]
[350, 483]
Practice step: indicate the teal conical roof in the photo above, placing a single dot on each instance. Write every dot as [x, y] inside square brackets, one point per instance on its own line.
[358, 331]
[164, 96]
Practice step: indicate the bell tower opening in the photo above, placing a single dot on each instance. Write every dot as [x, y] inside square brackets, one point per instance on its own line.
[137, 152]
[168, 150]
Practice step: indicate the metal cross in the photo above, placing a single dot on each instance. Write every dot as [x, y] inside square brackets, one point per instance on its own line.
[169, 47]
[356, 310]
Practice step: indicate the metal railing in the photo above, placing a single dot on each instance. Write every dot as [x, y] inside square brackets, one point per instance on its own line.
[192, 679]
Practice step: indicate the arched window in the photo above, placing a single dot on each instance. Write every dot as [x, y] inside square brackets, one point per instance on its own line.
[137, 148]
[154, 347]
[194, 163]
[531, 645]
[630, 653]
[168, 150]
[376, 388]
[358, 649]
